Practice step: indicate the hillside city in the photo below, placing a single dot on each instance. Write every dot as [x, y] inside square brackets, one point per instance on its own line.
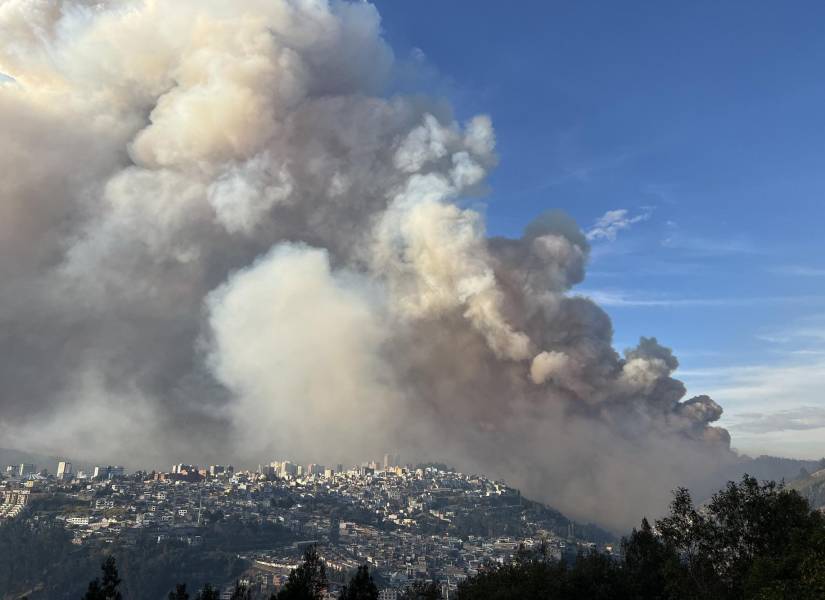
[424, 523]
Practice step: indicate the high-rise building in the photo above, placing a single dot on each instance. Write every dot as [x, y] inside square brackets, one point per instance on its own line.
[64, 469]
[27, 469]
[108, 472]
[391, 460]
[288, 469]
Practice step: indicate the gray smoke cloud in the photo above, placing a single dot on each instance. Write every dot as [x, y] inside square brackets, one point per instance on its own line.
[221, 238]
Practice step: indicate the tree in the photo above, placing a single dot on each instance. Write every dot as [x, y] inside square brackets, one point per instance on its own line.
[594, 576]
[208, 593]
[813, 566]
[94, 592]
[750, 541]
[422, 590]
[651, 568]
[107, 588]
[241, 592]
[308, 581]
[360, 587]
[179, 593]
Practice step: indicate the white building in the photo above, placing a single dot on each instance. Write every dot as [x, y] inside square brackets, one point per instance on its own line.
[64, 470]
[108, 472]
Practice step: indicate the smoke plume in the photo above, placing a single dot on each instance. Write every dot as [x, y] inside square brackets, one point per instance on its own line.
[220, 237]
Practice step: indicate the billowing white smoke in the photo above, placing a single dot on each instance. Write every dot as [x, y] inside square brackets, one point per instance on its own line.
[219, 238]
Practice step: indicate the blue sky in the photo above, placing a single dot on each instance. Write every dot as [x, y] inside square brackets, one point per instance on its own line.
[704, 121]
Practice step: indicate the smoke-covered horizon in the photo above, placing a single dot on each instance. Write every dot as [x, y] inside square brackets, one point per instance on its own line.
[220, 237]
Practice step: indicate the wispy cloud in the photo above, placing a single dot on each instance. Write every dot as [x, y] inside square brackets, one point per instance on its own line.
[803, 331]
[625, 299]
[6, 78]
[608, 226]
[584, 171]
[775, 405]
[807, 352]
[662, 192]
[794, 419]
[763, 387]
[793, 336]
[799, 271]
[704, 246]
[769, 408]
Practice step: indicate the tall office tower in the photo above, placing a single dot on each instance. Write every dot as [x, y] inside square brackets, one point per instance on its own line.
[27, 469]
[315, 469]
[64, 470]
[387, 461]
[115, 472]
[288, 469]
[100, 473]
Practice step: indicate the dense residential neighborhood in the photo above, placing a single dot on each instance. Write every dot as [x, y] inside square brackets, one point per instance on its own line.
[425, 523]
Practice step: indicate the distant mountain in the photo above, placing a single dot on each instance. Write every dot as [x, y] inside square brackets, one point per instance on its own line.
[812, 487]
[777, 469]
[768, 468]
